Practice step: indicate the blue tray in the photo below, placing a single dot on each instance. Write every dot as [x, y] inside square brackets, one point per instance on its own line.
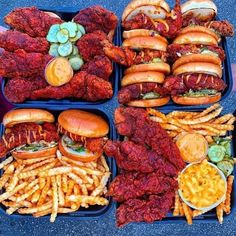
[226, 75]
[67, 13]
[83, 213]
[208, 216]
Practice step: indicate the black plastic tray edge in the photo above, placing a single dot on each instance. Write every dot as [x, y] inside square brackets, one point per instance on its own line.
[205, 218]
[68, 13]
[85, 215]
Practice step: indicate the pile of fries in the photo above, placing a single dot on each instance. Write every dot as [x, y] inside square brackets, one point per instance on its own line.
[53, 184]
[208, 123]
[182, 209]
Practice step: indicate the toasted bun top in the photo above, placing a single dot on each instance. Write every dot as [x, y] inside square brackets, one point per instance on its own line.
[199, 67]
[200, 9]
[197, 38]
[142, 77]
[196, 58]
[152, 8]
[18, 116]
[83, 123]
[149, 42]
[200, 29]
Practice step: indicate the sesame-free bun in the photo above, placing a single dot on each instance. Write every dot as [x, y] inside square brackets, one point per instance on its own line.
[148, 42]
[83, 123]
[17, 116]
[155, 102]
[142, 77]
[203, 10]
[152, 8]
[191, 101]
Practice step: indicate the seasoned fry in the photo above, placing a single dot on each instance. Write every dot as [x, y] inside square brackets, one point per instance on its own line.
[172, 127]
[208, 110]
[84, 189]
[209, 139]
[14, 180]
[35, 209]
[227, 207]
[179, 114]
[104, 163]
[54, 199]
[223, 119]
[176, 123]
[60, 192]
[177, 203]
[88, 199]
[38, 164]
[48, 211]
[6, 162]
[44, 192]
[76, 178]
[157, 119]
[187, 213]
[156, 113]
[77, 189]
[220, 212]
[5, 177]
[198, 213]
[36, 196]
[70, 161]
[64, 183]
[231, 121]
[42, 182]
[34, 160]
[56, 171]
[11, 210]
[27, 194]
[207, 127]
[99, 190]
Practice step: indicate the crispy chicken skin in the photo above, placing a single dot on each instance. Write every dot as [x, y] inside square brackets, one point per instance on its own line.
[26, 133]
[90, 45]
[100, 66]
[82, 85]
[97, 18]
[22, 64]
[136, 125]
[12, 40]
[31, 21]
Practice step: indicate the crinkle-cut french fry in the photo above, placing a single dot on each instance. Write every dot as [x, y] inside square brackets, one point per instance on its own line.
[32, 210]
[13, 203]
[99, 190]
[198, 212]
[54, 199]
[177, 203]
[92, 171]
[5, 177]
[27, 194]
[171, 127]
[96, 180]
[156, 113]
[6, 162]
[42, 182]
[31, 185]
[79, 171]
[11, 210]
[36, 196]
[101, 168]
[202, 119]
[56, 171]
[35, 160]
[70, 189]
[91, 200]
[209, 139]
[43, 195]
[76, 178]
[14, 180]
[62, 210]
[181, 209]
[206, 127]
[61, 197]
[231, 121]
[208, 110]
[221, 126]
[38, 164]
[70, 161]
[188, 213]
[172, 134]
[104, 163]
[6, 195]
[157, 119]
[227, 207]
[176, 123]
[223, 119]
[220, 212]
[64, 183]
[86, 179]
[84, 189]
[35, 172]
[77, 189]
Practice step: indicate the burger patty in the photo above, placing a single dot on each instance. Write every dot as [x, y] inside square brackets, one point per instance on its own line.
[92, 144]
[183, 83]
[135, 91]
[175, 51]
[27, 133]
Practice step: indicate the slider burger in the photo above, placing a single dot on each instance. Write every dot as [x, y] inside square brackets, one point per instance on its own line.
[141, 85]
[203, 12]
[29, 133]
[84, 135]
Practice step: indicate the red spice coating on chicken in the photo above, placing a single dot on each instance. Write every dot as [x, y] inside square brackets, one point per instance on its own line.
[31, 21]
[22, 64]
[136, 125]
[148, 210]
[12, 40]
[26, 133]
[134, 185]
[82, 85]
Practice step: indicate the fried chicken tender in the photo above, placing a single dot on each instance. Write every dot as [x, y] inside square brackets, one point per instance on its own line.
[22, 64]
[97, 18]
[100, 66]
[90, 45]
[82, 85]
[134, 184]
[12, 40]
[17, 90]
[31, 21]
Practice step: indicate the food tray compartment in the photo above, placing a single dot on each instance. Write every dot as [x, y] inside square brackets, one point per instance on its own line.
[67, 13]
[226, 75]
[209, 216]
[83, 213]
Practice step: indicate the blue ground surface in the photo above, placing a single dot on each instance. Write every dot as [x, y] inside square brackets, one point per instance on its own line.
[106, 225]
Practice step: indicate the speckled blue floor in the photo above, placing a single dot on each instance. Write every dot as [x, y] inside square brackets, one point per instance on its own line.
[106, 224]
